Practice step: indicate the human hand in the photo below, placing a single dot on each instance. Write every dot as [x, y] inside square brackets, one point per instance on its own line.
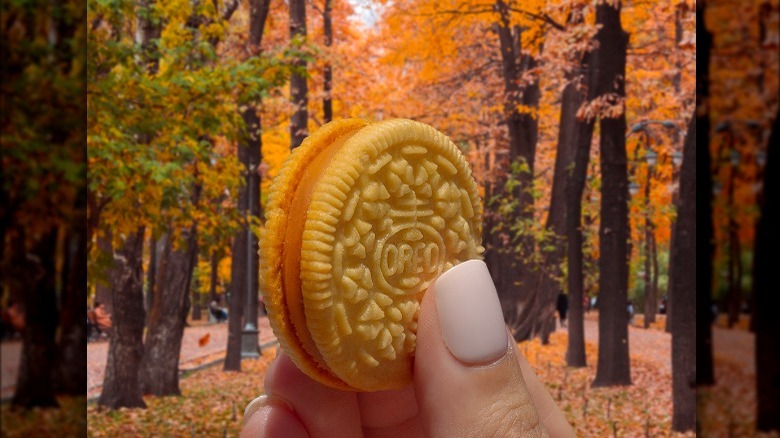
[469, 380]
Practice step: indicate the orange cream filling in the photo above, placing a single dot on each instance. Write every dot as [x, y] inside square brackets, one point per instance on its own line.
[293, 239]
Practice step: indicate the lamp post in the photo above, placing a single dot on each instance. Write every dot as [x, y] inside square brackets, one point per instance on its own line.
[652, 158]
[733, 159]
[250, 345]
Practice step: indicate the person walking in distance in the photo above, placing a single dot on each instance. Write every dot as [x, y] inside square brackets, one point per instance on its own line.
[563, 307]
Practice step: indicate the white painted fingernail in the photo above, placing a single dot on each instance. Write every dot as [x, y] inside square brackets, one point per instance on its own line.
[253, 406]
[470, 314]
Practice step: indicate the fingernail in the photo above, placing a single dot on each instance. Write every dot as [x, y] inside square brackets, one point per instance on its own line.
[470, 314]
[253, 406]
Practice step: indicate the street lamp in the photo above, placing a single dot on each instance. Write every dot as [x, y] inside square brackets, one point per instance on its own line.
[761, 158]
[734, 157]
[677, 158]
[651, 157]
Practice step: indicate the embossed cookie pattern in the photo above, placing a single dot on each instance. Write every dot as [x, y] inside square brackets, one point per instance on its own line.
[404, 219]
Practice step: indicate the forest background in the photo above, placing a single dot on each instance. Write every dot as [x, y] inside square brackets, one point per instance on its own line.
[574, 116]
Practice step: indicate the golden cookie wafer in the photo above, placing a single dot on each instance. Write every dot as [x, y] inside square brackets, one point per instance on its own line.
[361, 218]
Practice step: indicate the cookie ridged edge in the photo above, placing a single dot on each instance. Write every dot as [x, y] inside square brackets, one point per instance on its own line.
[272, 240]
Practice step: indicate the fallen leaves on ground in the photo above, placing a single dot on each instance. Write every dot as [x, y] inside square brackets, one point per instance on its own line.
[642, 409]
[65, 421]
[213, 401]
[212, 405]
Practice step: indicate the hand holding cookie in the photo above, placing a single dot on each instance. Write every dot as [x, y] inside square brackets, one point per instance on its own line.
[469, 380]
[387, 321]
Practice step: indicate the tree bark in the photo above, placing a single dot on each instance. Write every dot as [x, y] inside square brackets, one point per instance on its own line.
[121, 386]
[102, 286]
[767, 324]
[582, 135]
[151, 272]
[649, 305]
[704, 368]
[34, 383]
[213, 280]
[244, 247]
[70, 374]
[519, 301]
[298, 86]
[196, 297]
[677, 84]
[734, 300]
[577, 133]
[609, 59]
[683, 326]
[237, 295]
[160, 366]
[327, 101]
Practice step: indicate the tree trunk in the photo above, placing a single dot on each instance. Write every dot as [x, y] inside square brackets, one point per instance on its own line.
[245, 243]
[677, 83]
[554, 251]
[70, 374]
[735, 264]
[160, 365]
[579, 134]
[121, 385]
[649, 306]
[704, 369]
[196, 297]
[298, 86]
[767, 324]
[213, 280]
[327, 101]
[683, 326]
[519, 300]
[609, 60]
[237, 295]
[151, 272]
[654, 285]
[34, 383]
[102, 286]
[575, 352]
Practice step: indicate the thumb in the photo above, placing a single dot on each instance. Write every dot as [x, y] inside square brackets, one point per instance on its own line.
[468, 381]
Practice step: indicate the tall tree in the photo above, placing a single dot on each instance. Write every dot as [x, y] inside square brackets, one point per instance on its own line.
[298, 85]
[767, 325]
[327, 24]
[160, 366]
[71, 366]
[705, 230]
[245, 265]
[684, 300]
[213, 276]
[679, 12]
[33, 386]
[518, 276]
[577, 132]
[121, 386]
[609, 61]
[151, 271]
[102, 287]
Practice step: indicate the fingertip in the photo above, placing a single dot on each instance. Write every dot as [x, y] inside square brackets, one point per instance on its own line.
[266, 417]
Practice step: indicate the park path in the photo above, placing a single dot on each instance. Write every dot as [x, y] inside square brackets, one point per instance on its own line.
[652, 345]
[191, 354]
[191, 351]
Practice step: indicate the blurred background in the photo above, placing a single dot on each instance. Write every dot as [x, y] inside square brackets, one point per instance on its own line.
[578, 119]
